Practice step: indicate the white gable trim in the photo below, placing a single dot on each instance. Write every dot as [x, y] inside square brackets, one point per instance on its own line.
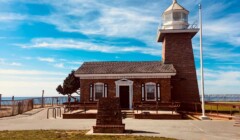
[125, 82]
[125, 76]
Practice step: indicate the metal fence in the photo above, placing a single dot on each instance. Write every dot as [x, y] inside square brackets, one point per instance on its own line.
[222, 97]
[15, 107]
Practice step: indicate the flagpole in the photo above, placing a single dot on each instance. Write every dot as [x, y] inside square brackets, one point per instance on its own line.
[203, 117]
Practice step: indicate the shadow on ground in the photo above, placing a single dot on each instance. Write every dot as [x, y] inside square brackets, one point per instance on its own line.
[140, 131]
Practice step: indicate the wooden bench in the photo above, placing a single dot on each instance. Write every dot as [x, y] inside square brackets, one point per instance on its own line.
[156, 106]
[76, 105]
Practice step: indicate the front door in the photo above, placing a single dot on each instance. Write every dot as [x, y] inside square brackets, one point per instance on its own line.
[124, 97]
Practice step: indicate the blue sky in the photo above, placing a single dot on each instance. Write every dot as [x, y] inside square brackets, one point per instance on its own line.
[43, 40]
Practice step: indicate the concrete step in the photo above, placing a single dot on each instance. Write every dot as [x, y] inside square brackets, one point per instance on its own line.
[128, 114]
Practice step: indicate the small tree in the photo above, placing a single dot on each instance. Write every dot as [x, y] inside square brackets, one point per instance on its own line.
[70, 85]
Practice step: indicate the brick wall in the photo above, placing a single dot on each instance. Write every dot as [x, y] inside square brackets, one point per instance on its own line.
[177, 50]
[137, 88]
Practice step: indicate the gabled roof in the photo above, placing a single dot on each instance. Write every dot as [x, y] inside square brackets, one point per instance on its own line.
[175, 6]
[125, 67]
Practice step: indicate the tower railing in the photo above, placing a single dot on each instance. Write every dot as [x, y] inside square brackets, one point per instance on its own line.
[194, 25]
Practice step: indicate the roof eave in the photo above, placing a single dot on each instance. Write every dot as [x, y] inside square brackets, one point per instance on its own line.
[126, 75]
[163, 32]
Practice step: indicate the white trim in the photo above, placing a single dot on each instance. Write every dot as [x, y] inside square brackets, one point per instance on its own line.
[91, 87]
[150, 84]
[125, 82]
[162, 32]
[105, 90]
[124, 76]
[159, 92]
[179, 31]
[97, 84]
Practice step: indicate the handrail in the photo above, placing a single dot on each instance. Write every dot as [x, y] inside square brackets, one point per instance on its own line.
[55, 111]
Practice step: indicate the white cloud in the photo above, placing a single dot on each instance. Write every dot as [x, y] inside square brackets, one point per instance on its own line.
[222, 30]
[75, 62]
[221, 54]
[59, 65]
[29, 82]
[95, 17]
[50, 60]
[52, 43]
[34, 88]
[15, 64]
[221, 81]
[12, 16]
[27, 72]
[3, 62]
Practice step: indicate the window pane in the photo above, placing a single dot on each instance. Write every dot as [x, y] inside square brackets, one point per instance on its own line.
[98, 95]
[150, 96]
[167, 17]
[184, 17]
[150, 89]
[98, 88]
[176, 16]
[98, 91]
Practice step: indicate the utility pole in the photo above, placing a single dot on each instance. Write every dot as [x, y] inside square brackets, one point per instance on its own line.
[203, 117]
[42, 98]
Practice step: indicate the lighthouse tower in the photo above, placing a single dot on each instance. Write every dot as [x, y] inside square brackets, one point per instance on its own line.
[177, 49]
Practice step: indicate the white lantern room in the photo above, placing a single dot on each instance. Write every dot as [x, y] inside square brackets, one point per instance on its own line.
[175, 17]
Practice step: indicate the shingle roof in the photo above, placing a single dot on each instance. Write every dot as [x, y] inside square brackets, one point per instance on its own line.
[125, 67]
[175, 6]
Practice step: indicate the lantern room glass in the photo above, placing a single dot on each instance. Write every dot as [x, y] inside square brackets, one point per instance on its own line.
[175, 16]
[167, 17]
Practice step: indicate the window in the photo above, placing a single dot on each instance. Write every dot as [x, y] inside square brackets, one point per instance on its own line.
[150, 91]
[167, 17]
[98, 91]
[177, 16]
[184, 17]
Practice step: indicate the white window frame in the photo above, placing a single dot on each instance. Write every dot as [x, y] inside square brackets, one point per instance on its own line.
[105, 90]
[159, 92]
[146, 94]
[98, 84]
[91, 94]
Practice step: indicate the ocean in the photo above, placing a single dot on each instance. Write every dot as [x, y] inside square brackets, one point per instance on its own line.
[222, 97]
[18, 98]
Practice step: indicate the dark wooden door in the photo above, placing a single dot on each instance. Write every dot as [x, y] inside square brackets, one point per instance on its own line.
[124, 96]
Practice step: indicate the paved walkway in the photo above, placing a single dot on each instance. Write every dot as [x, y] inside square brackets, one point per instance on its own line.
[180, 129]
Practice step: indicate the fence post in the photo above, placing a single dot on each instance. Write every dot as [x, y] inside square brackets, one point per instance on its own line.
[0, 101]
[13, 104]
[42, 98]
[32, 104]
[52, 100]
[57, 101]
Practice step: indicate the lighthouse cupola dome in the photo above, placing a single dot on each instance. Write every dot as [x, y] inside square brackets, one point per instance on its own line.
[175, 17]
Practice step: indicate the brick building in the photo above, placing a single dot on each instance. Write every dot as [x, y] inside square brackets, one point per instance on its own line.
[172, 79]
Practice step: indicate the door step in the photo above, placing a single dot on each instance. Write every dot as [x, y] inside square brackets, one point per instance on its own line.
[127, 114]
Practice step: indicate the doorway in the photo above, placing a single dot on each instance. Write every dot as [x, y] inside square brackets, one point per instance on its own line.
[124, 97]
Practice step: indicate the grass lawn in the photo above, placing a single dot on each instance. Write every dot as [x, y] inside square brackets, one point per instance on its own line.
[65, 135]
[222, 108]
